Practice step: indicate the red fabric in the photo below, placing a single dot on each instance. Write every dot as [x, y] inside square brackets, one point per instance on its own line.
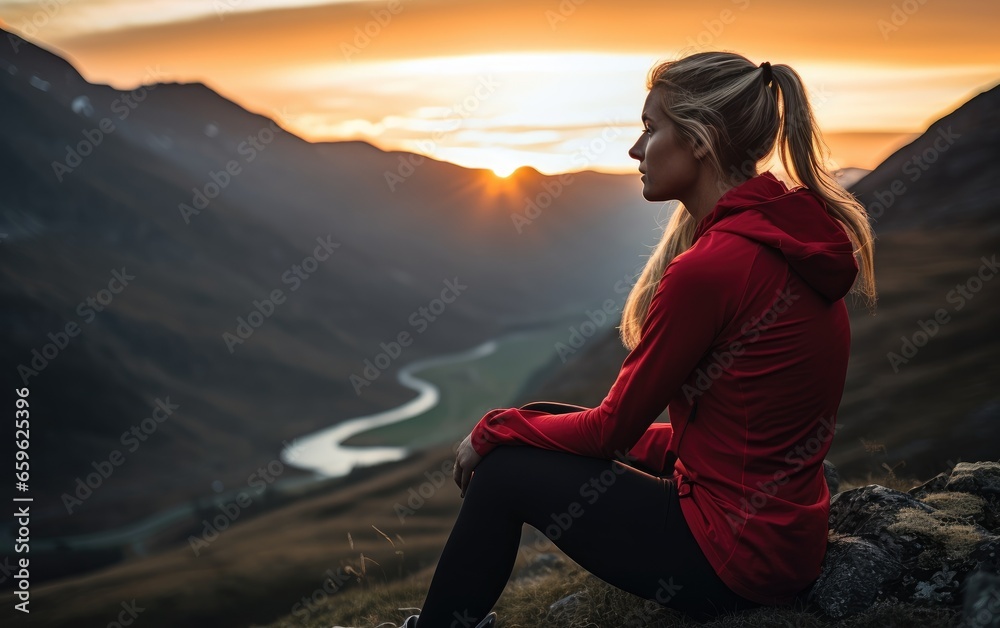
[749, 331]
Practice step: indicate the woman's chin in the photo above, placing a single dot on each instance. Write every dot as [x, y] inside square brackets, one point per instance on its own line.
[650, 195]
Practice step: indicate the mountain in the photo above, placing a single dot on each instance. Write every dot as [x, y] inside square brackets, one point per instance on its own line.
[945, 177]
[165, 247]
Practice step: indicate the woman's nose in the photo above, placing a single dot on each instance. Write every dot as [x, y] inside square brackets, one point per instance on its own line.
[638, 150]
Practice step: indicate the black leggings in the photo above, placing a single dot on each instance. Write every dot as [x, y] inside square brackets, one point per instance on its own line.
[621, 524]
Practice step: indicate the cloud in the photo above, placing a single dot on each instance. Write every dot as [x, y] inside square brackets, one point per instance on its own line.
[378, 70]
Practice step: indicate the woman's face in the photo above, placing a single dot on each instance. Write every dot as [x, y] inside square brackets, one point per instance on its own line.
[670, 169]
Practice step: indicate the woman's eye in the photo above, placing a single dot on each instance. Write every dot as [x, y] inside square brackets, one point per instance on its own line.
[647, 130]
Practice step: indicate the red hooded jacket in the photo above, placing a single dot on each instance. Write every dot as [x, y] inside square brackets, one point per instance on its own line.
[746, 344]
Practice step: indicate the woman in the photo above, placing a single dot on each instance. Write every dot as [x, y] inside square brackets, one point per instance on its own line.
[737, 325]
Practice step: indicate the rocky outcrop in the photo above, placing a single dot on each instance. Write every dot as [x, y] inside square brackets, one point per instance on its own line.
[936, 545]
[918, 547]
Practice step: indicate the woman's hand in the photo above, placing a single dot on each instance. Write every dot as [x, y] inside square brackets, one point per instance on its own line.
[466, 460]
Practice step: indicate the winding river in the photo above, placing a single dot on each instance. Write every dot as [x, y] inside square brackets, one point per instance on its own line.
[323, 451]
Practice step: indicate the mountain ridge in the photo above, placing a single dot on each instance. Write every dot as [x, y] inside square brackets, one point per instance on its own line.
[909, 189]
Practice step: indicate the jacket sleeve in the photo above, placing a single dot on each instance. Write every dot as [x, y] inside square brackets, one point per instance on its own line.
[689, 309]
[650, 452]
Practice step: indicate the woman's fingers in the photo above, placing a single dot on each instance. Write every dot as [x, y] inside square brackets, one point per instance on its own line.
[466, 460]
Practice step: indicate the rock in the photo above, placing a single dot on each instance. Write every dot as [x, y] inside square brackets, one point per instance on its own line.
[939, 588]
[569, 604]
[832, 477]
[981, 479]
[933, 485]
[986, 554]
[868, 500]
[889, 545]
[978, 478]
[935, 546]
[854, 572]
[869, 510]
[981, 606]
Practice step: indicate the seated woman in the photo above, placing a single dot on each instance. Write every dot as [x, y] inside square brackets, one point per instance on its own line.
[738, 327]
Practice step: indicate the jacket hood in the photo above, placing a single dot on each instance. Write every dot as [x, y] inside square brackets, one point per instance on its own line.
[794, 222]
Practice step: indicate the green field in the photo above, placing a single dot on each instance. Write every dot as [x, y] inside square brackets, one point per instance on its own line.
[468, 390]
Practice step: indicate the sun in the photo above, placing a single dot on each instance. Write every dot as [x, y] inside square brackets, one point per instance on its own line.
[503, 163]
[504, 170]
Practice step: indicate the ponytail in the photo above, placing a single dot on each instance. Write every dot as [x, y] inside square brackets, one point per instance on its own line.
[802, 153]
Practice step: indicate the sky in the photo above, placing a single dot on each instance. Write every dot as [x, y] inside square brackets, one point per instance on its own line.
[554, 84]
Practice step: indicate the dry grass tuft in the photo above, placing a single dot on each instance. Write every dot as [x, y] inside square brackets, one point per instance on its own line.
[962, 505]
[957, 539]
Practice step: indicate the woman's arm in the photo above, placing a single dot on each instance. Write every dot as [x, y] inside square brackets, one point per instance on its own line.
[691, 306]
[648, 454]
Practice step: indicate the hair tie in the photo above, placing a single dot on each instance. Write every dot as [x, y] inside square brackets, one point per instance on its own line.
[766, 74]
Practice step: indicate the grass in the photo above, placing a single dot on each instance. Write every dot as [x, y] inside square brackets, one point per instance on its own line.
[889, 479]
[468, 389]
[525, 602]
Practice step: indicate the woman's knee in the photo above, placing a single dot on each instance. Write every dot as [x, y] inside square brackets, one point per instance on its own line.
[508, 467]
[496, 465]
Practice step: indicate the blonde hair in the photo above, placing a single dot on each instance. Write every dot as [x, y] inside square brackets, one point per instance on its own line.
[720, 100]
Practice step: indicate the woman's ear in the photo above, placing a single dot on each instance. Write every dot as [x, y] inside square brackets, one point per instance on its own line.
[699, 149]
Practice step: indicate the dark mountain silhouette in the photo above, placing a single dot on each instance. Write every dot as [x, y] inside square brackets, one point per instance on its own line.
[945, 177]
[95, 181]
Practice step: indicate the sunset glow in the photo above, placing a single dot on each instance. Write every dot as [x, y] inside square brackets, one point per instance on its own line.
[500, 85]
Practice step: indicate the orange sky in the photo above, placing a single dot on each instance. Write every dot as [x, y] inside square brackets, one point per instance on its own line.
[502, 83]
